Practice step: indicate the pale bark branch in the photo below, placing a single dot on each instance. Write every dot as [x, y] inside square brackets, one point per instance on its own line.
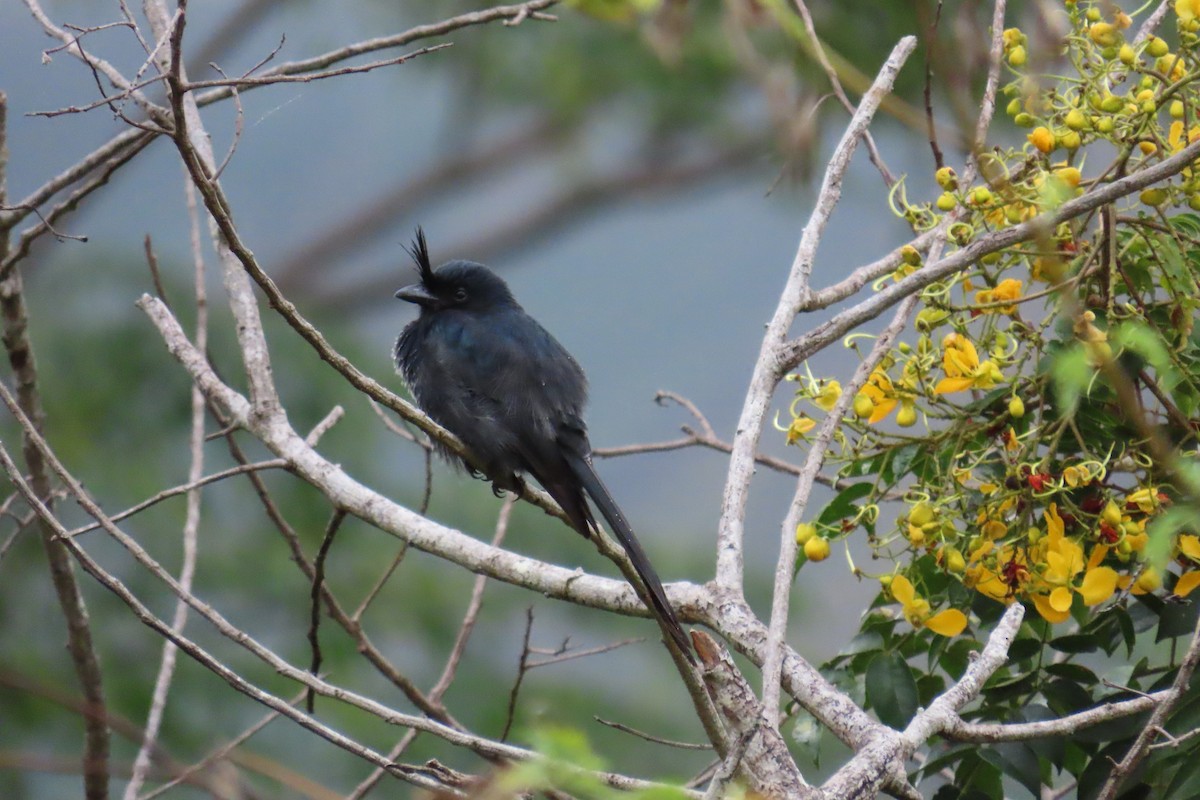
[765, 759]
[768, 367]
[1158, 718]
[785, 566]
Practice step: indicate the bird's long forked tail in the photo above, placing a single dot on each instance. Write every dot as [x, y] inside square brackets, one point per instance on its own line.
[595, 488]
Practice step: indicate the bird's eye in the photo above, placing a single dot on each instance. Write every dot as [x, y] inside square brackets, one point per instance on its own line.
[460, 294]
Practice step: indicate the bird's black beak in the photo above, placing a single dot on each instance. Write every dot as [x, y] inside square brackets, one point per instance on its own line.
[417, 293]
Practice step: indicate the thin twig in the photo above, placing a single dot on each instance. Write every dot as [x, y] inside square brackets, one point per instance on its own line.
[268, 80]
[566, 654]
[175, 491]
[651, 737]
[939, 160]
[450, 670]
[785, 568]
[769, 368]
[471, 616]
[65, 206]
[836, 82]
[522, 668]
[318, 583]
[218, 754]
[191, 524]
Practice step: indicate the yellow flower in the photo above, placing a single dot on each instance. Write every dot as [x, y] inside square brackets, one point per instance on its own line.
[1095, 341]
[1189, 545]
[950, 622]
[1000, 576]
[1008, 290]
[963, 368]
[1175, 136]
[1186, 583]
[828, 396]
[1146, 499]
[993, 529]
[1189, 550]
[1041, 138]
[1148, 581]
[1076, 475]
[800, 426]
[1187, 10]
[882, 394]
[1063, 561]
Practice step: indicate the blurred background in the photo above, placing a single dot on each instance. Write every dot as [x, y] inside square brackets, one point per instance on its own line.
[641, 182]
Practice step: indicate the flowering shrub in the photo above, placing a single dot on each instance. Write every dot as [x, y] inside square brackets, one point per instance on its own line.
[1056, 379]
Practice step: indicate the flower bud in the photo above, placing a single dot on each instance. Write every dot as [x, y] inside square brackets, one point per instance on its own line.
[816, 549]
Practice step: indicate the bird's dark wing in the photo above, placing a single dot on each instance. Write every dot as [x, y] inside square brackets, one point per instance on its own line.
[499, 381]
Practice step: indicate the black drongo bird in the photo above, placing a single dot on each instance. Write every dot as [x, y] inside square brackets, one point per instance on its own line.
[491, 375]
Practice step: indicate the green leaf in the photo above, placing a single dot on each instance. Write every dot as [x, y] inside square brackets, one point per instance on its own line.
[900, 462]
[1000, 689]
[1100, 767]
[1075, 643]
[1185, 784]
[1178, 619]
[977, 776]
[892, 690]
[954, 659]
[842, 505]
[1065, 697]
[948, 758]
[1126, 623]
[1073, 672]
[1017, 761]
[864, 642]
[929, 687]
[1024, 648]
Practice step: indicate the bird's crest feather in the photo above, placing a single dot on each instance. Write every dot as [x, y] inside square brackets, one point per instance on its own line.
[419, 251]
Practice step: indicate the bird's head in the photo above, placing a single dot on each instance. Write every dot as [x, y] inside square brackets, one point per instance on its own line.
[455, 284]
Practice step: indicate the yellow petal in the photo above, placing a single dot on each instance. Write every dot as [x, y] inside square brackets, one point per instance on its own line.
[1042, 603]
[950, 622]
[1098, 585]
[828, 396]
[948, 385]
[882, 409]
[799, 427]
[1186, 583]
[1060, 599]
[902, 590]
[1058, 567]
[1175, 136]
[1190, 546]
[1054, 523]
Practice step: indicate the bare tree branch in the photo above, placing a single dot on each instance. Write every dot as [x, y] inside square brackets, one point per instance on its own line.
[80, 644]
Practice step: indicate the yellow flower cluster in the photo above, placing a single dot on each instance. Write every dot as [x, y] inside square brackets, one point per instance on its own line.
[1045, 524]
[1045, 566]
